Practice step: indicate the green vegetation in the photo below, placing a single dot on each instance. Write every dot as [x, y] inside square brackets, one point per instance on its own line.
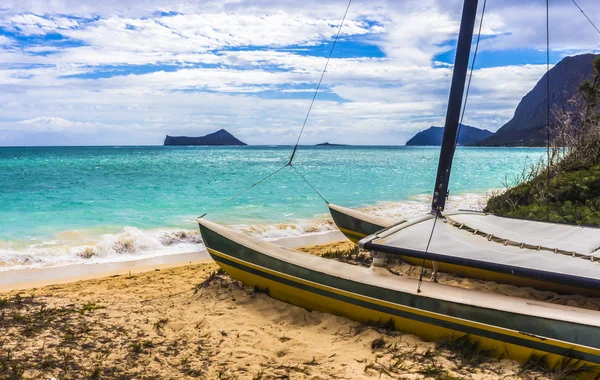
[572, 194]
[91, 306]
[139, 347]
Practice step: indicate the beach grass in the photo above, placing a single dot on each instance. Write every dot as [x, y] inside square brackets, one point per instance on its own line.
[571, 196]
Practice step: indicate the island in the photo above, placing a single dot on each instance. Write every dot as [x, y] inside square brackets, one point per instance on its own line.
[432, 136]
[328, 144]
[218, 138]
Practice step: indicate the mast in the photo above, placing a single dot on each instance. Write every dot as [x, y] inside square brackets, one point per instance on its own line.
[459, 75]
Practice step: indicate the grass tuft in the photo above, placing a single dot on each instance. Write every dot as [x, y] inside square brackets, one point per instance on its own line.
[378, 343]
[463, 348]
[139, 347]
[213, 277]
[567, 368]
[260, 289]
[91, 306]
[352, 255]
[160, 324]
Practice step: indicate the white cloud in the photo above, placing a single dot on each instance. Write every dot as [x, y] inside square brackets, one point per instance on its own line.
[33, 24]
[523, 25]
[57, 124]
[146, 110]
[216, 59]
[5, 40]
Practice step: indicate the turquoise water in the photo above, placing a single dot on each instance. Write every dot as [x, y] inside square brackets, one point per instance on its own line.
[48, 195]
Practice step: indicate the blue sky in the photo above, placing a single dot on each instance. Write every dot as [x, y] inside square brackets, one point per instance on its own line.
[126, 72]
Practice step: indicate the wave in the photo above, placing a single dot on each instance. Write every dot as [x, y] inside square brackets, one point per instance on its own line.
[285, 230]
[421, 204]
[130, 244]
[133, 243]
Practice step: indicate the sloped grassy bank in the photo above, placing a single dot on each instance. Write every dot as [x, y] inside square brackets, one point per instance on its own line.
[569, 190]
[572, 197]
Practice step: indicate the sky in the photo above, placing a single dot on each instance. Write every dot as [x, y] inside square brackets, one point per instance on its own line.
[121, 72]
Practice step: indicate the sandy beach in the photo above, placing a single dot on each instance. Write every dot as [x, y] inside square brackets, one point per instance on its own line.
[192, 321]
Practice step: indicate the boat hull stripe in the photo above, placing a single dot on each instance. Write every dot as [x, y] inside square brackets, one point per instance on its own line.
[468, 327]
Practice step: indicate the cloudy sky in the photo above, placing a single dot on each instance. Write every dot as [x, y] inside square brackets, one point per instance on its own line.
[116, 72]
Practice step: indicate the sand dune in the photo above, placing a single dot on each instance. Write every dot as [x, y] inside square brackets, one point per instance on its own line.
[184, 322]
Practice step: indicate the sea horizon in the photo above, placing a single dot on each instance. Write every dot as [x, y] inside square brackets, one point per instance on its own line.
[333, 145]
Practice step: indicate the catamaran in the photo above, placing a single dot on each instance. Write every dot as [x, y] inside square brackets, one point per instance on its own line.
[503, 326]
[547, 256]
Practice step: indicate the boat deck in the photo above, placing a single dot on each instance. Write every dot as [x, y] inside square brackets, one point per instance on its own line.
[549, 236]
[545, 251]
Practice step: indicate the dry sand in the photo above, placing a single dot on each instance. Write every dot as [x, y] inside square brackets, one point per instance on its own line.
[183, 322]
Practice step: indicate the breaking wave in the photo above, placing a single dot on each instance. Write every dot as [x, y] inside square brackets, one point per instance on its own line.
[133, 243]
[130, 244]
[421, 204]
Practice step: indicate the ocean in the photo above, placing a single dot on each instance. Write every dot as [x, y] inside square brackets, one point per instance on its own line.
[72, 205]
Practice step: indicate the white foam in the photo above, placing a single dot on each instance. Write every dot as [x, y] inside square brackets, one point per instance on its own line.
[279, 231]
[131, 244]
[76, 247]
[421, 204]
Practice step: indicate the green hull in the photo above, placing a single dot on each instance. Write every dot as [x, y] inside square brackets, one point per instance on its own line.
[504, 326]
[356, 225]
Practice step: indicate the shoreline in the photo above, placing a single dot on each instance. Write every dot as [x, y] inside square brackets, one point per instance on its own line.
[130, 243]
[26, 278]
[29, 278]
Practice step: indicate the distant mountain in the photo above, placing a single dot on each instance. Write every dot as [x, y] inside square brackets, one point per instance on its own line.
[433, 136]
[528, 127]
[328, 144]
[221, 137]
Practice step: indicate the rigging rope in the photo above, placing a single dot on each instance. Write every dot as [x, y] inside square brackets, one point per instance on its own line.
[309, 184]
[319, 84]
[243, 191]
[301, 131]
[427, 250]
[462, 115]
[586, 16]
[548, 102]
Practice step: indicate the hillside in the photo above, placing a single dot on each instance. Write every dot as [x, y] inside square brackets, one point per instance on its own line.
[433, 136]
[574, 195]
[568, 191]
[528, 127]
[221, 137]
